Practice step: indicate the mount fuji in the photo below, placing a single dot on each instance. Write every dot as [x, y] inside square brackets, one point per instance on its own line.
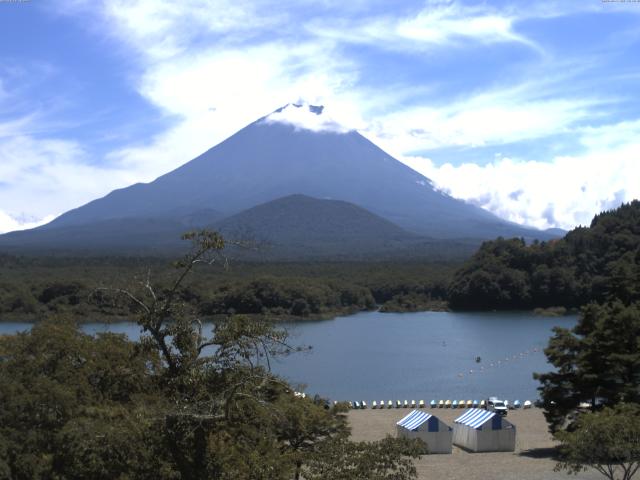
[296, 152]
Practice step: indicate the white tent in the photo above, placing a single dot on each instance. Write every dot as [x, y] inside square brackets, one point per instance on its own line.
[484, 431]
[423, 425]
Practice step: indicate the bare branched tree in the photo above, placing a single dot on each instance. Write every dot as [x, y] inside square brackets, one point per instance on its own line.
[201, 360]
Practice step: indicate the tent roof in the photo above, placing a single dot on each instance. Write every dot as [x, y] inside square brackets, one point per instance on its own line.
[414, 420]
[475, 417]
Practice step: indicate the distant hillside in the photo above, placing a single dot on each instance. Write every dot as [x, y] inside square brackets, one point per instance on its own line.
[148, 236]
[297, 227]
[589, 264]
[302, 227]
[108, 236]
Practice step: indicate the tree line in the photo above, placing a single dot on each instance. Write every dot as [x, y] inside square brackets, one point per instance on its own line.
[589, 264]
[593, 264]
[32, 288]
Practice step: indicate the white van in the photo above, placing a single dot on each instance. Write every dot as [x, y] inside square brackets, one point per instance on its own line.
[496, 405]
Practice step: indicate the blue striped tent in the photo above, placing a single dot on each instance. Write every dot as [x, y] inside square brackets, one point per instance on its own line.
[420, 424]
[481, 430]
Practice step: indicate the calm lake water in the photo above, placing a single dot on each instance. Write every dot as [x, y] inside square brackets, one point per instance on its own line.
[426, 355]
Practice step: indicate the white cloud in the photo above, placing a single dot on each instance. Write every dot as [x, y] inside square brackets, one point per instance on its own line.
[305, 116]
[564, 192]
[610, 136]
[163, 29]
[40, 178]
[505, 115]
[438, 24]
[213, 93]
[9, 223]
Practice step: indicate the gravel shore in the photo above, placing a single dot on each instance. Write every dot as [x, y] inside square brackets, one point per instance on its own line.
[533, 458]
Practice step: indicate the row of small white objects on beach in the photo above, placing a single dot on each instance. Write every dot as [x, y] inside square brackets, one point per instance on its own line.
[439, 404]
[498, 363]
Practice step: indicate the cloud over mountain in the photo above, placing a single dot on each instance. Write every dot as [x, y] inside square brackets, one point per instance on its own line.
[134, 88]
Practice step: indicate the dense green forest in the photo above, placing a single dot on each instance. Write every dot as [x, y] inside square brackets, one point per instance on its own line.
[76, 406]
[34, 287]
[589, 264]
[597, 263]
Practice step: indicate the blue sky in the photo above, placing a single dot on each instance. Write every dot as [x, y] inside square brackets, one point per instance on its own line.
[528, 109]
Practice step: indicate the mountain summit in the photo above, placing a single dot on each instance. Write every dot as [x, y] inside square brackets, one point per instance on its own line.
[298, 149]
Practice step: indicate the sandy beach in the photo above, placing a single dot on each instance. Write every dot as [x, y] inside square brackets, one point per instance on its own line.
[531, 460]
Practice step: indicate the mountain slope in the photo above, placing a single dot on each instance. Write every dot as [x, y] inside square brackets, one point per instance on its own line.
[268, 160]
[148, 235]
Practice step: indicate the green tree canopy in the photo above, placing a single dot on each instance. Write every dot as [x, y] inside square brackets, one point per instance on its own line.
[387, 459]
[598, 361]
[188, 401]
[599, 263]
[608, 441]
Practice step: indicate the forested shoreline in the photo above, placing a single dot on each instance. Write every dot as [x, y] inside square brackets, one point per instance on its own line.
[32, 288]
[104, 407]
[589, 264]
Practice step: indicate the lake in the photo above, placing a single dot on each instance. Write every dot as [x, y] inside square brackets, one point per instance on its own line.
[425, 355]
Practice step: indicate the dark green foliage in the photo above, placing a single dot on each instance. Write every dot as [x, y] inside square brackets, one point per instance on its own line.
[64, 394]
[388, 459]
[598, 263]
[306, 425]
[598, 361]
[608, 441]
[31, 288]
[183, 403]
[290, 296]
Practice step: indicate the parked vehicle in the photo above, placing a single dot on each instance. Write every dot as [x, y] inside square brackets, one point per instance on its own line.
[494, 404]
